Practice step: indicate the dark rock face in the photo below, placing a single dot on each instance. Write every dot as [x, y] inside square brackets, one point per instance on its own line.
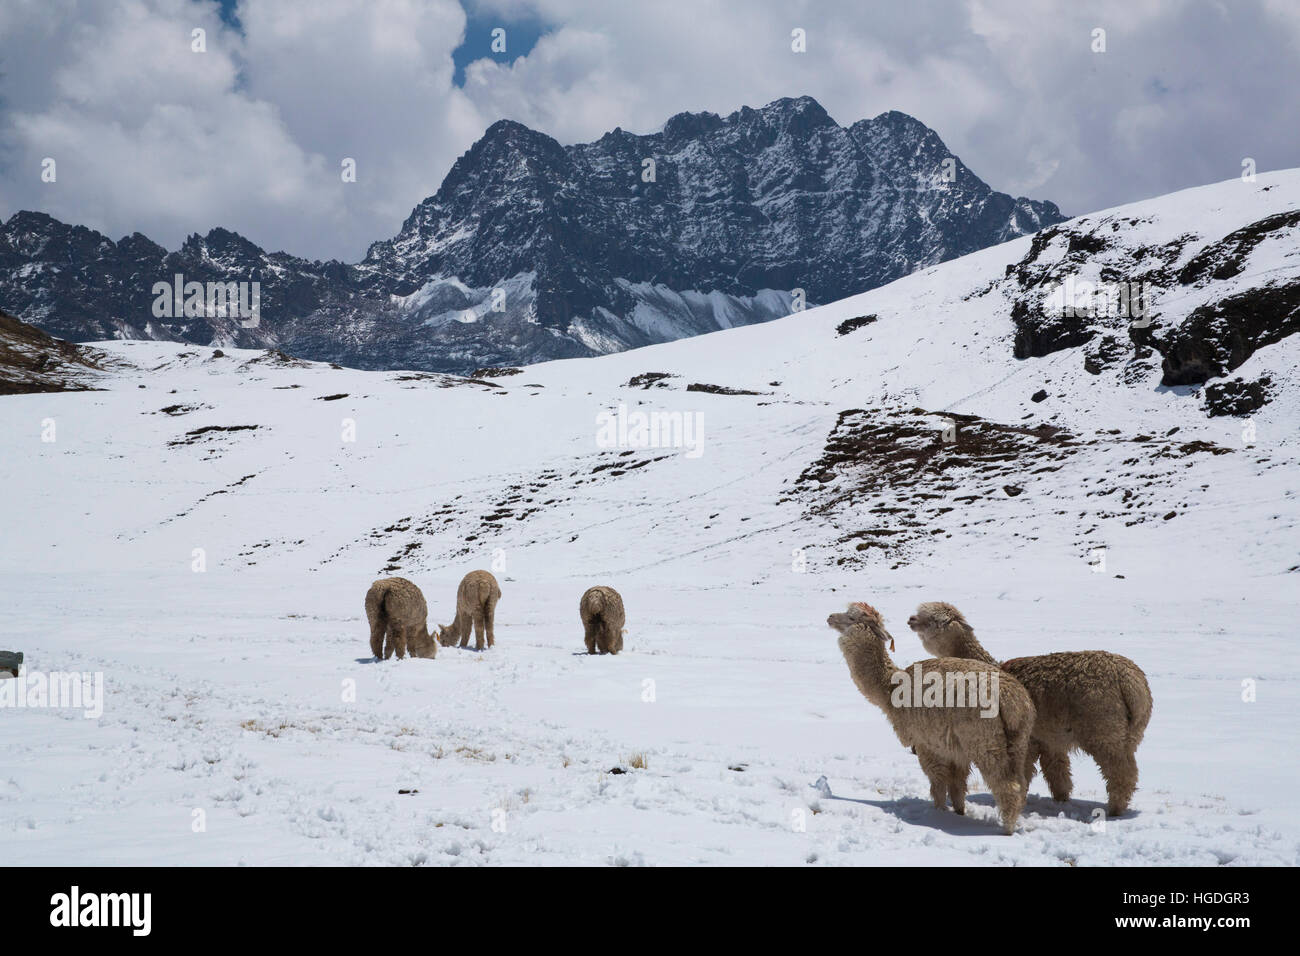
[1224, 259]
[1193, 343]
[850, 325]
[1217, 338]
[1237, 397]
[1103, 353]
[531, 250]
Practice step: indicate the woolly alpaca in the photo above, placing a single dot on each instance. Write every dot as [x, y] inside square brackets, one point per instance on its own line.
[1092, 701]
[396, 609]
[601, 610]
[476, 605]
[947, 738]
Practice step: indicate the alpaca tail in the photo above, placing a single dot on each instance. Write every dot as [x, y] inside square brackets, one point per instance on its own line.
[376, 612]
[1017, 725]
[375, 599]
[596, 602]
[1003, 764]
[1136, 693]
[1012, 757]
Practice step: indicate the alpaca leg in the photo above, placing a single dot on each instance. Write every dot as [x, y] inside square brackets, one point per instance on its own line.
[615, 640]
[377, 628]
[1120, 769]
[478, 630]
[1007, 788]
[1010, 796]
[1031, 758]
[489, 617]
[462, 625]
[937, 771]
[390, 642]
[1056, 771]
[589, 635]
[398, 634]
[957, 776]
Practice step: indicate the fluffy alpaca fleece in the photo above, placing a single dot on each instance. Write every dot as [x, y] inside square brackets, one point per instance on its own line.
[1093, 701]
[601, 610]
[396, 609]
[947, 739]
[476, 605]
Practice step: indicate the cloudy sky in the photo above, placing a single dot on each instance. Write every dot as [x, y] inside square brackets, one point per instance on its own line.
[148, 135]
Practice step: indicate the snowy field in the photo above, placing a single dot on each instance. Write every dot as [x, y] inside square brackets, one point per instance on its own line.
[215, 578]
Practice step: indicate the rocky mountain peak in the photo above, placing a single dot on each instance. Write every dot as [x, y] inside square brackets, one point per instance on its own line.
[532, 250]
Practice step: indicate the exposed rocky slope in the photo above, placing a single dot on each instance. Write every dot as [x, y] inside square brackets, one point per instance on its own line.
[33, 361]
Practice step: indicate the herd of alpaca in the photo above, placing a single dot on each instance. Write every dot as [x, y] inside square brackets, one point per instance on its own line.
[1092, 701]
[398, 617]
[1041, 708]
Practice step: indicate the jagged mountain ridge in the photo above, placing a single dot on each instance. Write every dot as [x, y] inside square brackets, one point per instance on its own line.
[593, 252]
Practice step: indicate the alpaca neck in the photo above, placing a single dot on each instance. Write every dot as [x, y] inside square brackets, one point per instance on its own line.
[969, 648]
[872, 669]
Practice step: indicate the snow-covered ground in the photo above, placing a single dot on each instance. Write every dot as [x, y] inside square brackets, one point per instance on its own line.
[215, 578]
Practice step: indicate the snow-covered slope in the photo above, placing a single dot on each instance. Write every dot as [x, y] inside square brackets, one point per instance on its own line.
[1114, 513]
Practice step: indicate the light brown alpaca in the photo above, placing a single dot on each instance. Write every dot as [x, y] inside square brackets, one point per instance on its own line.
[476, 604]
[946, 737]
[396, 609]
[601, 610]
[1093, 701]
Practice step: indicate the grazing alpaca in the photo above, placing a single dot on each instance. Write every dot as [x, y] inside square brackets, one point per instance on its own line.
[946, 736]
[601, 610]
[476, 604]
[396, 609]
[1093, 701]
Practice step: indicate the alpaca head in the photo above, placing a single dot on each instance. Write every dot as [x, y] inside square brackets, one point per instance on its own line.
[861, 615]
[941, 628]
[444, 635]
[427, 648]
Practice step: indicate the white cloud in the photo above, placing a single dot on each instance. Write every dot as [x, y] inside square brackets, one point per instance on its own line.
[149, 135]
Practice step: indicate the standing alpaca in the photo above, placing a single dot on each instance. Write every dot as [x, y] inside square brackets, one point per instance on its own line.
[1092, 701]
[396, 609]
[601, 610]
[476, 604]
[947, 738]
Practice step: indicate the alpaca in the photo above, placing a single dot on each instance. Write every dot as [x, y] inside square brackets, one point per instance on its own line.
[476, 605]
[946, 736]
[396, 608]
[1093, 701]
[601, 610]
